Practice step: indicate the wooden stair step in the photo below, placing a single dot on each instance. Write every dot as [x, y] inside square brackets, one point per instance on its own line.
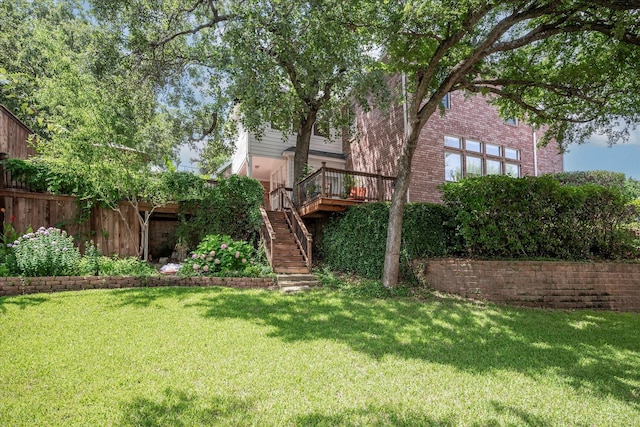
[300, 270]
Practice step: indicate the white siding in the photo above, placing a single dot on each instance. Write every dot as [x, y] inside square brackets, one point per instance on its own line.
[272, 144]
[315, 163]
[241, 151]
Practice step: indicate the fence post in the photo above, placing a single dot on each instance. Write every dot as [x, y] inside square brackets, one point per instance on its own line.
[380, 186]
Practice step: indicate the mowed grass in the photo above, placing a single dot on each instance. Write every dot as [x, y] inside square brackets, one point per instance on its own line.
[217, 356]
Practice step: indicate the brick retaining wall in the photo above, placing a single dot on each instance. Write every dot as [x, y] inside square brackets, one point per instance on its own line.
[565, 285]
[31, 285]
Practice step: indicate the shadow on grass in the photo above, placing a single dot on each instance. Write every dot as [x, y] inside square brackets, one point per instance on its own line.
[373, 416]
[145, 297]
[177, 408]
[21, 301]
[596, 352]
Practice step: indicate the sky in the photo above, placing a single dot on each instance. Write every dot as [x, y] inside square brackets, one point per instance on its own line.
[596, 155]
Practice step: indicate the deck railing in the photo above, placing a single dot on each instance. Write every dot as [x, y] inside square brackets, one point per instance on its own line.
[267, 234]
[277, 200]
[300, 232]
[341, 184]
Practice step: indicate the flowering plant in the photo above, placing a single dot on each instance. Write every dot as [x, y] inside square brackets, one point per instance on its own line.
[219, 255]
[46, 252]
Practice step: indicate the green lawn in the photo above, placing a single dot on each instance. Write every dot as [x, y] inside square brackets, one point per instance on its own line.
[217, 356]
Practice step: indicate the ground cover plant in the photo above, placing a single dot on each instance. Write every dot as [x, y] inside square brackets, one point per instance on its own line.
[218, 356]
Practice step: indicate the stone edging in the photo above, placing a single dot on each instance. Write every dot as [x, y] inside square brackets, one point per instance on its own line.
[30, 285]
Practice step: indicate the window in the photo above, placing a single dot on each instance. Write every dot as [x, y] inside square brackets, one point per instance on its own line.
[512, 153]
[474, 166]
[452, 141]
[512, 170]
[452, 166]
[474, 146]
[446, 101]
[469, 158]
[511, 121]
[321, 129]
[493, 150]
[494, 167]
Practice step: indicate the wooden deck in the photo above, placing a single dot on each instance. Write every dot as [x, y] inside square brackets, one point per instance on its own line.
[322, 207]
[329, 190]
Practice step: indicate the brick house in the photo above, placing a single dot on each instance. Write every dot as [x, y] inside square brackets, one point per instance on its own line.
[468, 139]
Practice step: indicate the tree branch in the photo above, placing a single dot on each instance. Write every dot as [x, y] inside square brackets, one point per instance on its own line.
[539, 112]
[558, 89]
[215, 20]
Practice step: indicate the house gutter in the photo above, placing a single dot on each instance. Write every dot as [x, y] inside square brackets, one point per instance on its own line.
[535, 153]
[405, 115]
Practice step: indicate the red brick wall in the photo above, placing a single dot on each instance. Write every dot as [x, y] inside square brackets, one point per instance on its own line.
[565, 285]
[379, 139]
[31, 285]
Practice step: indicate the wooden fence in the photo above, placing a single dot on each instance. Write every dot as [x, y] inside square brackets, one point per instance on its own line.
[13, 136]
[104, 226]
[111, 232]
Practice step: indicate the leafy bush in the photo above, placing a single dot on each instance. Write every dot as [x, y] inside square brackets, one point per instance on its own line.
[232, 207]
[38, 176]
[93, 263]
[629, 186]
[218, 255]
[46, 252]
[499, 216]
[355, 242]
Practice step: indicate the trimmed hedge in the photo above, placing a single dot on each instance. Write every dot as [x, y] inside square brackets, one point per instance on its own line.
[355, 242]
[629, 186]
[499, 216]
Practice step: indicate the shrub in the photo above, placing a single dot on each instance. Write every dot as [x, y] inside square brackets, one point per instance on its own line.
[499, 216]
[46, 252]
[218, 255]
[93, 263]
[629, 186]
[232, 207]
[355, 242]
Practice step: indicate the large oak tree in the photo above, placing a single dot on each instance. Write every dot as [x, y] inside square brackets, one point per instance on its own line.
[285, 63]
[573, 66]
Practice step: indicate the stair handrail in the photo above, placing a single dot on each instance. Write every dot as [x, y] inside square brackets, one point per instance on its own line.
[300, 232]
[268, 235]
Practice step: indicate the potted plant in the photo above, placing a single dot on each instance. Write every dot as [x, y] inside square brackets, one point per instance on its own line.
[348, 182]
[352, 188]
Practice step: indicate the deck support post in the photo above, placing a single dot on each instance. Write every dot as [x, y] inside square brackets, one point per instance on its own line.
[323, 192]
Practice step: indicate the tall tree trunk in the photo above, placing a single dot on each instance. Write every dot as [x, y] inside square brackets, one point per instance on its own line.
[398, 201]
[301, 156]
[417, 117]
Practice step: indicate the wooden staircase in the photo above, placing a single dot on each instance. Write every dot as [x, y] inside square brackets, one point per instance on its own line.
[287, 256]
